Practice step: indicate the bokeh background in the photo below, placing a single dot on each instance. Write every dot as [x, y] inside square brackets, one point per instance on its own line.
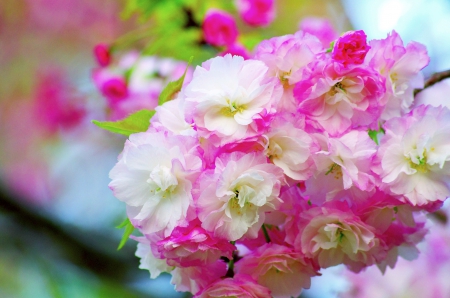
[57, 215]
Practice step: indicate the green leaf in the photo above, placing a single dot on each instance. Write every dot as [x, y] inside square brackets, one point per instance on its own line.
[373, 134]
[173, 87]
[330, 49]
[129, 228]
[134, 123]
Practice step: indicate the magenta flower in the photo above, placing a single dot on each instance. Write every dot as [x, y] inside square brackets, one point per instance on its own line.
[256, 12]
[351, 48]
[115, 90]
[219, 28]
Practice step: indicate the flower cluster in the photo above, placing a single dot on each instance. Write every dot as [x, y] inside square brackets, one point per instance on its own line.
[134, 82]
[263, 171]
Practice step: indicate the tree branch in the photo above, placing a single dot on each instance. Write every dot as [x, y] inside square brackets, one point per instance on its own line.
[435, 78]
[86, 249]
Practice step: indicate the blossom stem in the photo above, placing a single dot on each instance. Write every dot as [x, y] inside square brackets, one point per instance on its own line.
[435, 78]
[230, 271]
[266, 235]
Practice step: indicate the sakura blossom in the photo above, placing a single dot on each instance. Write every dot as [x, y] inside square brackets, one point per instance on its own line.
[351, 48]
[287, 56]
[154, 177]
[343, 168]
[333, 236]
[148, 260]
[228, 94]
[414, 154]
[196, 278]
[256, 12]
[279, 268]
[192, 246]
[290, 148]
[400, 66]
[219, 28]
[235, 197]
[337, 98]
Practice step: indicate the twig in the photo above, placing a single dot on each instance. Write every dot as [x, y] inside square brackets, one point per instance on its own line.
[435, 78]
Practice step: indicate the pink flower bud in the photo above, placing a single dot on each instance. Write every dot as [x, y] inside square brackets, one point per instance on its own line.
[351, 48]
[115, 90]
[256, 12]
[102, 54]
[219, 28]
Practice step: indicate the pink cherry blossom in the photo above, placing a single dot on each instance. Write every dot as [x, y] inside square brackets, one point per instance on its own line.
[256, 12]
[219, 28]
[227, 95]
[196, 278]
[241, 286]
[286, 56]
[193, 246]
[351, 48]
[291, 149]
[400, 66]
[335, 235]
[154, 177]
[413, 157]
[279, 268]
[343, 168]
[149, 261]
[115, 90]
[235, 196]
[171, 117]
[337, 98]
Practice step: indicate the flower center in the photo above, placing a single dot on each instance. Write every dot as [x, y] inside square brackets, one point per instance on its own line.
[420, 165]
[284, 78]
[232, 109]
[334, 232]
[338, 87]
[335, 170]
[394, 77]
[162, 180]
[274, 150]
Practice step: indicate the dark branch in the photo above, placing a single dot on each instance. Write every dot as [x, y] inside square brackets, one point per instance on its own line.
[86, 249]
[435, 78]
